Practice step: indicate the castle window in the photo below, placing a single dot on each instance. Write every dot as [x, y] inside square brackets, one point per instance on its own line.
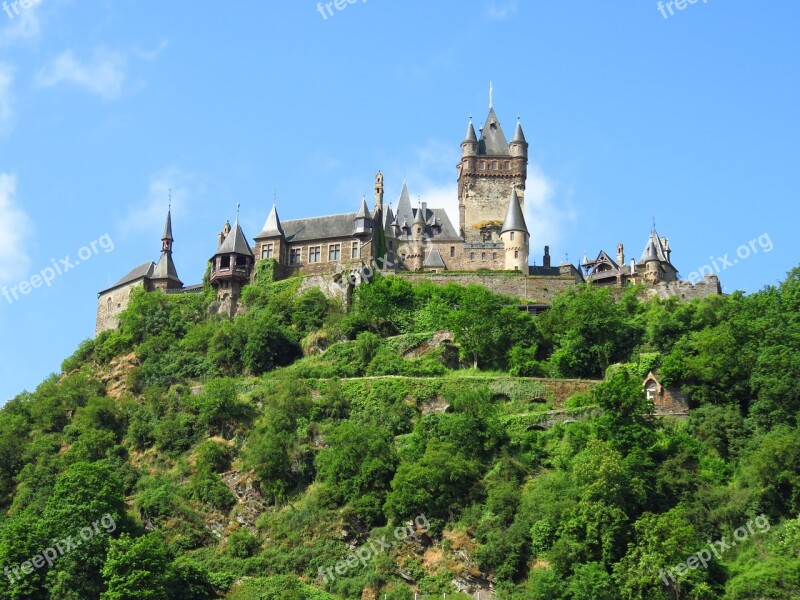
[494, 255]
[315, 254]
[512, 236]
[508, 165]
[110, 306]
[294, 256]
[472, 256]
[452, 251]
[483, 255]
[225, 263]
[481, 165]
[356, 251]
[516, 253]
[494, 166]
[334, 252]
[266, 251]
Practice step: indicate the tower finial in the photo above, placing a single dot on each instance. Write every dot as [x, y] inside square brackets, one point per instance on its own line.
[238, 206]
[491, 103]
[170, 199]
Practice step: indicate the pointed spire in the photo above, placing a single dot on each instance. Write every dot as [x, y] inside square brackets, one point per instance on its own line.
[363, 211]
[519, 137]
[236, 242]
[493, 141]
[404, 210]
[471, 137]
[491, 101]
[272, 226]
[168, 228]
[515, 220]
[419, 218]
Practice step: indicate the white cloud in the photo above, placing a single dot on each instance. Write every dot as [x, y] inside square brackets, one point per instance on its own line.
[6, 99]
[104, 75]
[22, 26]
[546, 214]
[150, 213]
[497, 11]
[14, 231]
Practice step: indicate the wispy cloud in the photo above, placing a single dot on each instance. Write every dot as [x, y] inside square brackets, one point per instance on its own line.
[547, 212]
[6, 99]
[22, 25]
[104, 75]
[500, 11]
[14, 230]
[153, 54]
[148, 215]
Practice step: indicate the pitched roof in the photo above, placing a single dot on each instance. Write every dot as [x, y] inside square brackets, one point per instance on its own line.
[419, 218]
[654, 250]
[144, 271]
[493, 141]
[272, 226]
[404, 210]
[319, 228]
[235, 242]
[165, 269]
[363, 210]
[434, 260]
[514, 221]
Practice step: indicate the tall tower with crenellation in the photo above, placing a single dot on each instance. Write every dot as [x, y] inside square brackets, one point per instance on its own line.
[489, 170]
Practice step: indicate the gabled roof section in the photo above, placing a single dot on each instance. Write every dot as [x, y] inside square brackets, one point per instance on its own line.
[434, 260]
[514, 221]
[493, 141]
[272, 226]
[144, 271]
[236, 242]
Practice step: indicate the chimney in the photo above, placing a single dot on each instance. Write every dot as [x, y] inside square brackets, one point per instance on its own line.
[546, 259]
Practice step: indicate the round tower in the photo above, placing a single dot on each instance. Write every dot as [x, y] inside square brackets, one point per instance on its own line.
[515, 237]
[231, 267]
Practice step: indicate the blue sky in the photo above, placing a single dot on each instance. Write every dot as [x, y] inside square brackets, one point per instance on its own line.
[105, 106]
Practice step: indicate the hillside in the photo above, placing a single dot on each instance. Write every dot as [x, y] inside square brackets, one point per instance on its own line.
[433, 439]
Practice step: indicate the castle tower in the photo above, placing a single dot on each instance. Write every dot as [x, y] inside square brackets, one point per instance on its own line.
[165, 275]
[271, 242]
[514, 235]
[489, 167]
[231, 268]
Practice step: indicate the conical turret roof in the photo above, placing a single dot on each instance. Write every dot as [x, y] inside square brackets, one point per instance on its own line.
[272, 226]
[515, 220]
[235, 242]
[493, 141]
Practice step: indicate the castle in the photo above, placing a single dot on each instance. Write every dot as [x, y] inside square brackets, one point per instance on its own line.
[332, 252]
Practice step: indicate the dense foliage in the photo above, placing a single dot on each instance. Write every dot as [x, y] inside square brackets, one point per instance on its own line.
[246, 458]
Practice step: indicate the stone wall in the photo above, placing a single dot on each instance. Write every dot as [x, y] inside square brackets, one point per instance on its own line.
[108, 315]
[537, 290]
[684, 290]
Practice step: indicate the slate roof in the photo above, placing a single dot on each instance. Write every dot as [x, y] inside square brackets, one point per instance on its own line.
[471, 137]
[168, 228]
[654, 249]
[514, 221]
[165, 269]
[236, 242]
[434, 260]
[144, 271]
[319, 228]
[272, 227]
[518, 135]
[493, 141]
